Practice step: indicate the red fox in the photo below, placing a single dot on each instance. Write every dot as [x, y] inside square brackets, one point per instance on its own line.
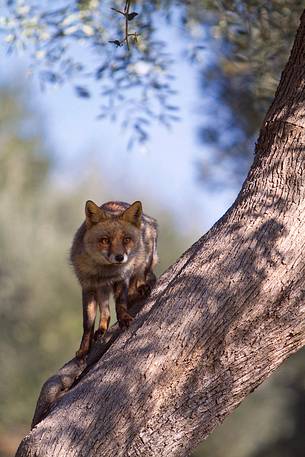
[113, 251]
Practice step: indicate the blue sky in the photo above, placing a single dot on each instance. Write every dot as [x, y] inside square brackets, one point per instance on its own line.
[164, 171]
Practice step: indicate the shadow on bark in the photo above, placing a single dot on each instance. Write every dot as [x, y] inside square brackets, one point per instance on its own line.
[216, 309]
[215, 306]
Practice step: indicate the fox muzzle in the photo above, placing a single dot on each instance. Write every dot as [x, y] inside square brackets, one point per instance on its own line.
[118, 258]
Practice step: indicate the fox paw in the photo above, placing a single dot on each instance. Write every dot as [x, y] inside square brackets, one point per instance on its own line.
[125, 319]
[99, 334]
[144, 290]
[81, 354]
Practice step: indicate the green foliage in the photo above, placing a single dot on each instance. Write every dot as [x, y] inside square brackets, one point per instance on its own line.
[134, 86]
[247, 42]
[250, 40]
[33, 245]
[252, 48]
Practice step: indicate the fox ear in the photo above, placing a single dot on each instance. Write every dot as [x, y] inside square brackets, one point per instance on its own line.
[94, 213]
[133, 214]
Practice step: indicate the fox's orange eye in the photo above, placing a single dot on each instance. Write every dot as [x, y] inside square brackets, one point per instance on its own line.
[104, 240]
[127, 239]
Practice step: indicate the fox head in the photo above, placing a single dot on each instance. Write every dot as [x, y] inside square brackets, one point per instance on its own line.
[112, 239]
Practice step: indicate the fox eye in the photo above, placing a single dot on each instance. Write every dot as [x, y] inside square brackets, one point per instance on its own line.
[127, 239]
[104, 240]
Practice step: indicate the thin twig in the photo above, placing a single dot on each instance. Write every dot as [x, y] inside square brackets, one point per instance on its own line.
[126, 11]
[128, 17]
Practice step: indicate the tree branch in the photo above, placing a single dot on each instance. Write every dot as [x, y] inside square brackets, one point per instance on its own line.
[128, 17]
[219, 321]
[57, 385]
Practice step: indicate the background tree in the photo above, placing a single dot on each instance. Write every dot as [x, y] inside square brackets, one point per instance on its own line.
[250, 48]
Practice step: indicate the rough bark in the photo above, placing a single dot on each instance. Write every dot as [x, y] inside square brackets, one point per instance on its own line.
[219, 321]
[75, 369]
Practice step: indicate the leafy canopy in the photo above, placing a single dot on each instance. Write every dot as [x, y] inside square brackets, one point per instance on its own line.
[117, 52]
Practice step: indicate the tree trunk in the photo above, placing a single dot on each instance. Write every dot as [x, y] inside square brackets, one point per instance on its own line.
[220, 320]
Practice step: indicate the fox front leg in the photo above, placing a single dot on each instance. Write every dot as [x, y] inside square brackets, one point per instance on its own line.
[89, 314]
[103, 302]
[140, 287]
[145, 286]
[120, 292]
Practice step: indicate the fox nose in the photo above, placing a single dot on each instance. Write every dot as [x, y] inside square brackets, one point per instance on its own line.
[119, 258]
